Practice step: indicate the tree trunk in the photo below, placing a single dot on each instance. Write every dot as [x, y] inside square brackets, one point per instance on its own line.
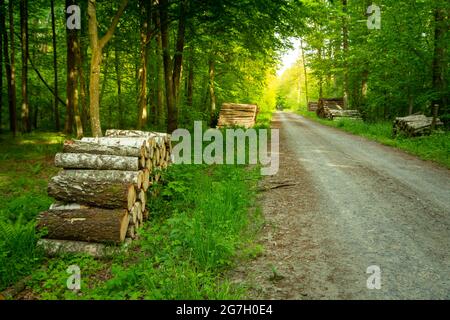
[92, 193]
[159, 77]
[76, 146]
[135, 178]
[190, 81]
[72, 76]
[168, 76]
[345, 50]
[319, 54]
[125, 141]
[142, 76]
[1, 64]
[439, 63]
[305, 71]
[91, 225]
[11, 70]
[97, 46]
[212, 93]
[55, 68]
[119, 83]
[97, 162]
[25, 110]
[53, 248]
[178, 57]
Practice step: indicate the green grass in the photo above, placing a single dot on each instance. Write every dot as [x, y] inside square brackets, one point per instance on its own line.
[203, 222]
[25, 166]
[435, 147]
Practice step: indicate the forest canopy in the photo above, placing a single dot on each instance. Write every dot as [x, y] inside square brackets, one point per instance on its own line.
[84, 66]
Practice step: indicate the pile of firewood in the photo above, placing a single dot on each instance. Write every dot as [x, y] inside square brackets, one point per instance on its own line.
[333, 108]
[414, 125]
[240, 115]
[101, 192]
[312, 106]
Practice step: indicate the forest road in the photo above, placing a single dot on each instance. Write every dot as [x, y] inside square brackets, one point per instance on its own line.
[356, 204]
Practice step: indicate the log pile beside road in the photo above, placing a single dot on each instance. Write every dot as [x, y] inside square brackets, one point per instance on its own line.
[237, 115]
[312, 106]
[334, 108]
[414, 125]
[101, 192]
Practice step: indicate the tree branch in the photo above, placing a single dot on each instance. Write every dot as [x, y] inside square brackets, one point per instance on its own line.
[104, 40]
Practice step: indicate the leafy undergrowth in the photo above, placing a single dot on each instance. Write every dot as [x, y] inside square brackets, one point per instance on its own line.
[26, 163]
[435, 147]
[199, 226]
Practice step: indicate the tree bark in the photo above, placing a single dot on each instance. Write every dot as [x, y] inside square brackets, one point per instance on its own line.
[92, 193]
[114, 176]
[76, 146]
[53, 248]
[160, 76]
[167, 61]
[11, 70]
[305, 71]
[439, 64]
[72, 76]
[127, 141]
[55, 68]
[1, 63]
[97, 46]
[144, 37]
[190, 81]
[178, 57]
[91, 225]
[345, 50]
[212, 93]
[25, 114]
[119, 83]
[97, 162]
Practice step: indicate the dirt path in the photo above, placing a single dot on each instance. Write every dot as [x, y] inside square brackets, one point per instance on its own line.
[356, 204]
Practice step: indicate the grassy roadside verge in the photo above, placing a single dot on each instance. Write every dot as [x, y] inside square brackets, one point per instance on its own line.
[434, 148]
[202, 223]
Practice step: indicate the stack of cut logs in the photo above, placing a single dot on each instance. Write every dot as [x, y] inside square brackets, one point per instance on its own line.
[414, 125]
[102, 192]
[241, 115]
[312, 106]
[333, 108]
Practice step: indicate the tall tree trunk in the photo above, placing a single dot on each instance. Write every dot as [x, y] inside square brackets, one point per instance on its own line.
[305, 71]
[159, 117]
[119, 83]
[345, 48]
[72, 74]
[81, 115]
[1, 65]
[190, 81]
[97, 46]
[55, 68]
[25, 110]
[144, 36]
[212, 92]
[11, 70]
[439, 63]
[179, 48]
[168, 76]
[319, 54]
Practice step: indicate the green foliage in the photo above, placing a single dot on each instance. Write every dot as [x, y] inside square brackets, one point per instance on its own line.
[18, 254]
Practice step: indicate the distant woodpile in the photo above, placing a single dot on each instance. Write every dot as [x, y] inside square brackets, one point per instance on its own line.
[237, 115]
[101, 192]
[414, 125]
[334, 108]
[312, 106]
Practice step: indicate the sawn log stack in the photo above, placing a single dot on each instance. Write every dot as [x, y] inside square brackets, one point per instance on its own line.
[101, 192]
